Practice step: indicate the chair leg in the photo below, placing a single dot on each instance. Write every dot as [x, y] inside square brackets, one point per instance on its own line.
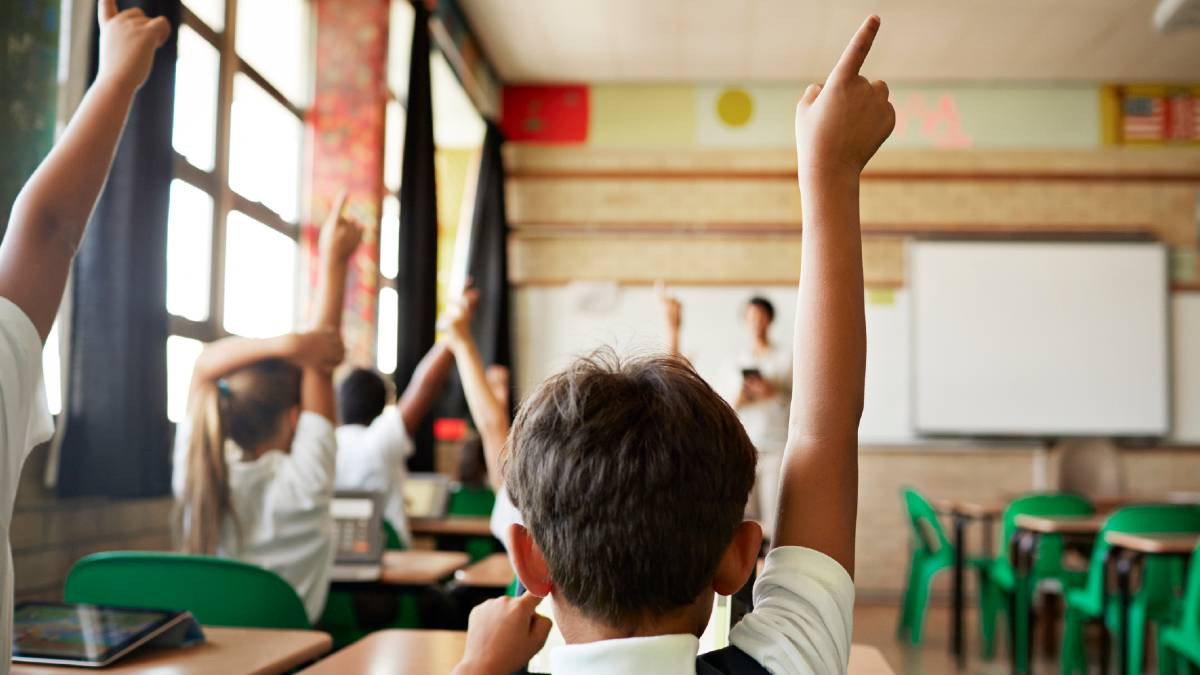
[904, 623]
[988, 601]
[1073, 659]
[920, 602]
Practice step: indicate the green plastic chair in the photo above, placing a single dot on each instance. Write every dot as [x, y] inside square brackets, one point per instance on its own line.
[217, 591]
[997, 578]
[932, 552]
[392, 538]
[1153, 600]
[1179, 642]
[474, 501]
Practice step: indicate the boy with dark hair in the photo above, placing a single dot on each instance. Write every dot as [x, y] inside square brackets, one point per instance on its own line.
[632, 477]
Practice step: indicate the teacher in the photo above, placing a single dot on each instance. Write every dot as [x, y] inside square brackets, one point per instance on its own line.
[758, 384]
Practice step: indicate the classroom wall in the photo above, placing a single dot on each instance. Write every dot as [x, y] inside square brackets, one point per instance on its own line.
[659, 186]
[49, 533]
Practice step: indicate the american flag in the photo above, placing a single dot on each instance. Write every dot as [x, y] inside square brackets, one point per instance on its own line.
[1183, 118]
[1145, 118]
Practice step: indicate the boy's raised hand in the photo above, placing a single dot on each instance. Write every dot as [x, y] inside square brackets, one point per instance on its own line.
[840, 125]
[457, 318]
[340, 236]
[321, 349]
[128, 40]
[502, 635]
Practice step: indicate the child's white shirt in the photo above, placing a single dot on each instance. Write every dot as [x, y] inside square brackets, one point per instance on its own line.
[372, 457]
[25, 422]
[801, 624]
[282, 501]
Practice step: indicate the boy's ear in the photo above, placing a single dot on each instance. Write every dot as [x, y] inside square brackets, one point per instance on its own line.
[530, 564]
[741, 555]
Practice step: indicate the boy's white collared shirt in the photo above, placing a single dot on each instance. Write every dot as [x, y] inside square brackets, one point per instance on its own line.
[802, 623]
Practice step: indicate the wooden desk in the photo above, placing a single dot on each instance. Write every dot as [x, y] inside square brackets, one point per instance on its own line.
[961, 512]
[1154, 544]
[438, 651]
[493, 571]
[462, 526]
[1127, 551]
[228, 650]
[420, 568]
[1073, 525]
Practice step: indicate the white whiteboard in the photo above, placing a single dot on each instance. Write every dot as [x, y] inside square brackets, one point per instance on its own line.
[553, 324]
[1185, 315]
[1029, 339]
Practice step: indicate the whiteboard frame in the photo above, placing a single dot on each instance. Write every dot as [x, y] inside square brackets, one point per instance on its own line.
[1050, 435]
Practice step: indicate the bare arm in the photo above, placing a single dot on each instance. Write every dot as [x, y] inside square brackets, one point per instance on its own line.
[424, 386]
[838, 128]
[50, 214]
[339, 238]
[672, 315]
[489, 412]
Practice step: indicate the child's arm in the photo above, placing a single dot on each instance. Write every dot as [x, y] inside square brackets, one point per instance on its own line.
[838, 128]
[424, 386]
[338, 241]
[672, 314]
[489, 413]
[52, 210]
[502, 635]
[321, 350]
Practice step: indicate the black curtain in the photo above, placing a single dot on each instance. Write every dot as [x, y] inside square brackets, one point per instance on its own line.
[488, 261]
[417, 282]
[117, 439]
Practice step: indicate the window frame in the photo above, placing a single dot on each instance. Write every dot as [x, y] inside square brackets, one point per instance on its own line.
[215, 183]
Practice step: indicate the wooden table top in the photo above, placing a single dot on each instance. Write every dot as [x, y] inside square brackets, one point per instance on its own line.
[972, 508]
[468, 526]
[257, 651]
[1060, 524]
[438, 651]
[420, 568]
[493, 571]
[1155, 543]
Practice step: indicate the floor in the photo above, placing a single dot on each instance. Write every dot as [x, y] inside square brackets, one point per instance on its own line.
[875, 624]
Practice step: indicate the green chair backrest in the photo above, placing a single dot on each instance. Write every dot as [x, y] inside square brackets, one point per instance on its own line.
[925, 524]
[218, 592]
[1191, 596]
[391, 538]
[1049, 554]
[468, 500]
[1142, 518]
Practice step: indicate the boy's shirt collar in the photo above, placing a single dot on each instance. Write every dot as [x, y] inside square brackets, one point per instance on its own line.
[657, 654]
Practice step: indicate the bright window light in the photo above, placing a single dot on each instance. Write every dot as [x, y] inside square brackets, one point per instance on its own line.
[389, 237]
[181, 358]
[393, 146]
[272, 36]
[389, 316]
[189, 251]
[458, 124]
[52, 371]
[260, 278]
[211, 12]
[400, 34]
[196, 72]
[264, 162]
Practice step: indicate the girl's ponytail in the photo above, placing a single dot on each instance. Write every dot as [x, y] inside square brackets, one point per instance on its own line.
[205, 501]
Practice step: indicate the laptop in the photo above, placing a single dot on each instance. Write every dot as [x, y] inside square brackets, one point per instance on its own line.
[358, 535]
[94, 636]
[716, 634]
[426, 495]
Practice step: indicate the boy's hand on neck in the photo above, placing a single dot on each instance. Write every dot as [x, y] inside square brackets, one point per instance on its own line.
[128, 40]
[840, 125]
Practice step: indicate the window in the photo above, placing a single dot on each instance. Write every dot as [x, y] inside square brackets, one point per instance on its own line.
[242, 80]
[400, 33]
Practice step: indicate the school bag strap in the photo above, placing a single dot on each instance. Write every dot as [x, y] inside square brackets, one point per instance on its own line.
[728, 661]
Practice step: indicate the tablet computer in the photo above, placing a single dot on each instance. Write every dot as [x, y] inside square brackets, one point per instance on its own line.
[85, 635]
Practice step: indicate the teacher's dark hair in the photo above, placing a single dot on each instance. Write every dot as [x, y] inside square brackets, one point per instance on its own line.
[763, 304]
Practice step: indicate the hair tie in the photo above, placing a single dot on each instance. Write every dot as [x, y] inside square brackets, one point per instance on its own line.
[223, 388]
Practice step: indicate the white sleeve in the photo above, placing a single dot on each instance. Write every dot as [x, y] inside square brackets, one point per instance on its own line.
[308, 471]
[388, 435]
[803, 614]
[24, 418]
[504, 513]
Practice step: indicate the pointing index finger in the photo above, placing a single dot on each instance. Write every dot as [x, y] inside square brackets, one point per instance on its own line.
[856, 52]
[339, 204]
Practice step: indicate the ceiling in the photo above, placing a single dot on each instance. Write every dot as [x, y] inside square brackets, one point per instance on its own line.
[798, 40]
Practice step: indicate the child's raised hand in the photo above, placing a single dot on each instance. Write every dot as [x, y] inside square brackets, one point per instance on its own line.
[128, 40]
[321, 350]
[840, 125]
[457, 318]
[502, 635]
[340, 236]
[672, 308]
